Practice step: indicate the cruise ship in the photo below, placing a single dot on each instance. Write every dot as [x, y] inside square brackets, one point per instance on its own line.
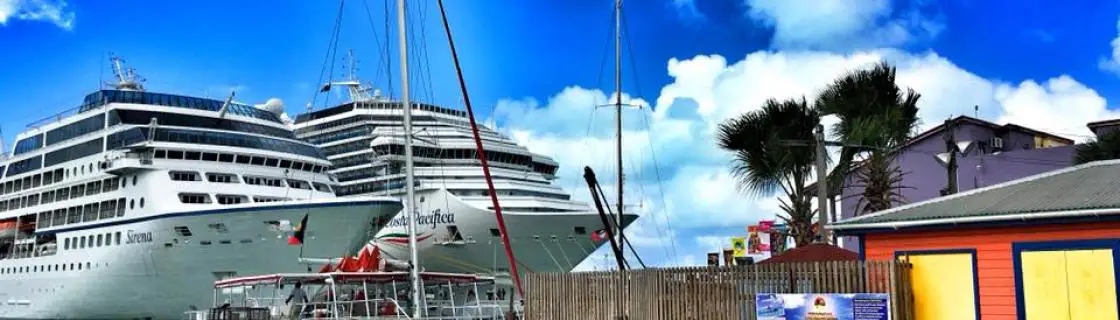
[131, 205]
[457, 230]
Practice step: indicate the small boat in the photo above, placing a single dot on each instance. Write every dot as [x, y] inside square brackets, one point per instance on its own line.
[354, 295]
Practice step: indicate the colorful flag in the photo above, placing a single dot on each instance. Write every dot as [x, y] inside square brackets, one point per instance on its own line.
[599, 235]
[297, 237]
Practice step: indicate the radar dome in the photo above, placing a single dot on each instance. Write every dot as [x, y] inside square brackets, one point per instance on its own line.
[274, 105]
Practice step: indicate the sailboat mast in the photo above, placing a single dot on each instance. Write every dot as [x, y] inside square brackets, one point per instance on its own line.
[410, 203]
[618, 103]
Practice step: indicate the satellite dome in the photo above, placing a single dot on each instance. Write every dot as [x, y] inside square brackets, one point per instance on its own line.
[274, 105]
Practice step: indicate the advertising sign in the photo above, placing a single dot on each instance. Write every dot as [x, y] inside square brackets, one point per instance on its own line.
[713, 259]
[739, 246]
[823, 306]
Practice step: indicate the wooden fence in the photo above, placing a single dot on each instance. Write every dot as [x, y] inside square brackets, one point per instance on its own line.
[707, 292]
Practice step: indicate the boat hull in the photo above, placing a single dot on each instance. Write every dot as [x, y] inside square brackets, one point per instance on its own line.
[157, 271]
[541, 241]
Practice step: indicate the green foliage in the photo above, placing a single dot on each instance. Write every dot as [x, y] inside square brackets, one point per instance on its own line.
[876, 116]
[766, 162]
[1107, 147]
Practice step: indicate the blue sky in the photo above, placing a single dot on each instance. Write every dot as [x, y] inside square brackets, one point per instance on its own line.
[536, 69]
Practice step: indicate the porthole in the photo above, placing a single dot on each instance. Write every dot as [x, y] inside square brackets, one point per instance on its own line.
[132, 204]
[83, 169]
[124, 183]
[134, 180]
[141, 202]
[91, 167]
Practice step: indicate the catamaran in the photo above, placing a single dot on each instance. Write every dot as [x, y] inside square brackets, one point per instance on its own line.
[135, 202]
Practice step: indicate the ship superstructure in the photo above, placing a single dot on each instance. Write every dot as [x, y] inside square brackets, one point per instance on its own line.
[134, 203]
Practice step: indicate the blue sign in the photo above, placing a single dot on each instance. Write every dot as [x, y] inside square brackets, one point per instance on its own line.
[823, 306]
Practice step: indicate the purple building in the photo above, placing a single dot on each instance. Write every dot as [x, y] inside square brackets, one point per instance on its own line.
[998, 153]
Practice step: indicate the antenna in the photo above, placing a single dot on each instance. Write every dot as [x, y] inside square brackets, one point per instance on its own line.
[127, 79]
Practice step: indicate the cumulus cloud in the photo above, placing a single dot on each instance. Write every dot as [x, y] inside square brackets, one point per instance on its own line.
[699, 196]
[37, 10]
[842, 24]
[1112, 63]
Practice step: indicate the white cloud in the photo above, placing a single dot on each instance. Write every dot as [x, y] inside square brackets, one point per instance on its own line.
[37, 10]
[841, 24]
[1112, 63]
[699, 194]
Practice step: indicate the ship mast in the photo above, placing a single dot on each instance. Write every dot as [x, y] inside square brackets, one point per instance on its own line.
[618, 104]
[410, 203]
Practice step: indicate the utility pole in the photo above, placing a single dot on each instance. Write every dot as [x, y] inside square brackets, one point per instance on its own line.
[822, 184]
[951, 164]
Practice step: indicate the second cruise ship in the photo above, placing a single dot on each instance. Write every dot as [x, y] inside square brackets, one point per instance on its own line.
[457, 230]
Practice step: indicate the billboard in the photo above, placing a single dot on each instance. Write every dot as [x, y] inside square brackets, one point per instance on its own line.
[823, 306]
[739, 246]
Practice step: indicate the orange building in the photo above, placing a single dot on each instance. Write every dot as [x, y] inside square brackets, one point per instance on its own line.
[1042, 247]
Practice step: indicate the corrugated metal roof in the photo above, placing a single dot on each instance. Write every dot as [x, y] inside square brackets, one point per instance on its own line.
[1090, 187]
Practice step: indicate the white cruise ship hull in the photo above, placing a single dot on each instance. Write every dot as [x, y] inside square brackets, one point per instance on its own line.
[158, 272]
[541, 241]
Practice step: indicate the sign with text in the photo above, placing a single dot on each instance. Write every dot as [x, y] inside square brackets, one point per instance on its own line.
[823, 306]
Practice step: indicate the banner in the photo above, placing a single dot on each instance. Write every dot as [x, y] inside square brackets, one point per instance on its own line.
[825, 306]
[713, 259]
[739, 246]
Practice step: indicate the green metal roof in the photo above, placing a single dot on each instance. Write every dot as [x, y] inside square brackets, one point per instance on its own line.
[1085, 190]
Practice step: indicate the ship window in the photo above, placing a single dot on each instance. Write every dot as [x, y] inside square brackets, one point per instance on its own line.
[322, 187]
[134, 180]
[82, 242]
[257, 161]
[36, 180]
[93, 188]
[160, 154]
[221, 177]
[185, 176]
[271, 162]
[74, 215]
[297, 165]
[141, 202]
[231, 199]
[204, 242]
[242, 159]
[193, 155]
[132, 204]
[117, 238]
[99, 239]
[120, 207]
[225, 157]
[66, 244]
[285, 163]
[48, 177]
[495, 232]
[210, 156]
[298, 184]
[194, 198]
[172, 154]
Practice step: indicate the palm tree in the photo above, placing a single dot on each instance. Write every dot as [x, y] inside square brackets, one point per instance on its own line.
[876, 116]
[1106, 147]
[766, 163]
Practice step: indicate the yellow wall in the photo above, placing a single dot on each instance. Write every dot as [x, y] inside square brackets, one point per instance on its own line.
[1073, 284]
[944, 286]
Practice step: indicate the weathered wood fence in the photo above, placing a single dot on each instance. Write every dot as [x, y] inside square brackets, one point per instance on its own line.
[707, 292]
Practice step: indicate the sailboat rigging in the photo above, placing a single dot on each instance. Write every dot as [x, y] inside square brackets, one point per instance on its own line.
[410, 187]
